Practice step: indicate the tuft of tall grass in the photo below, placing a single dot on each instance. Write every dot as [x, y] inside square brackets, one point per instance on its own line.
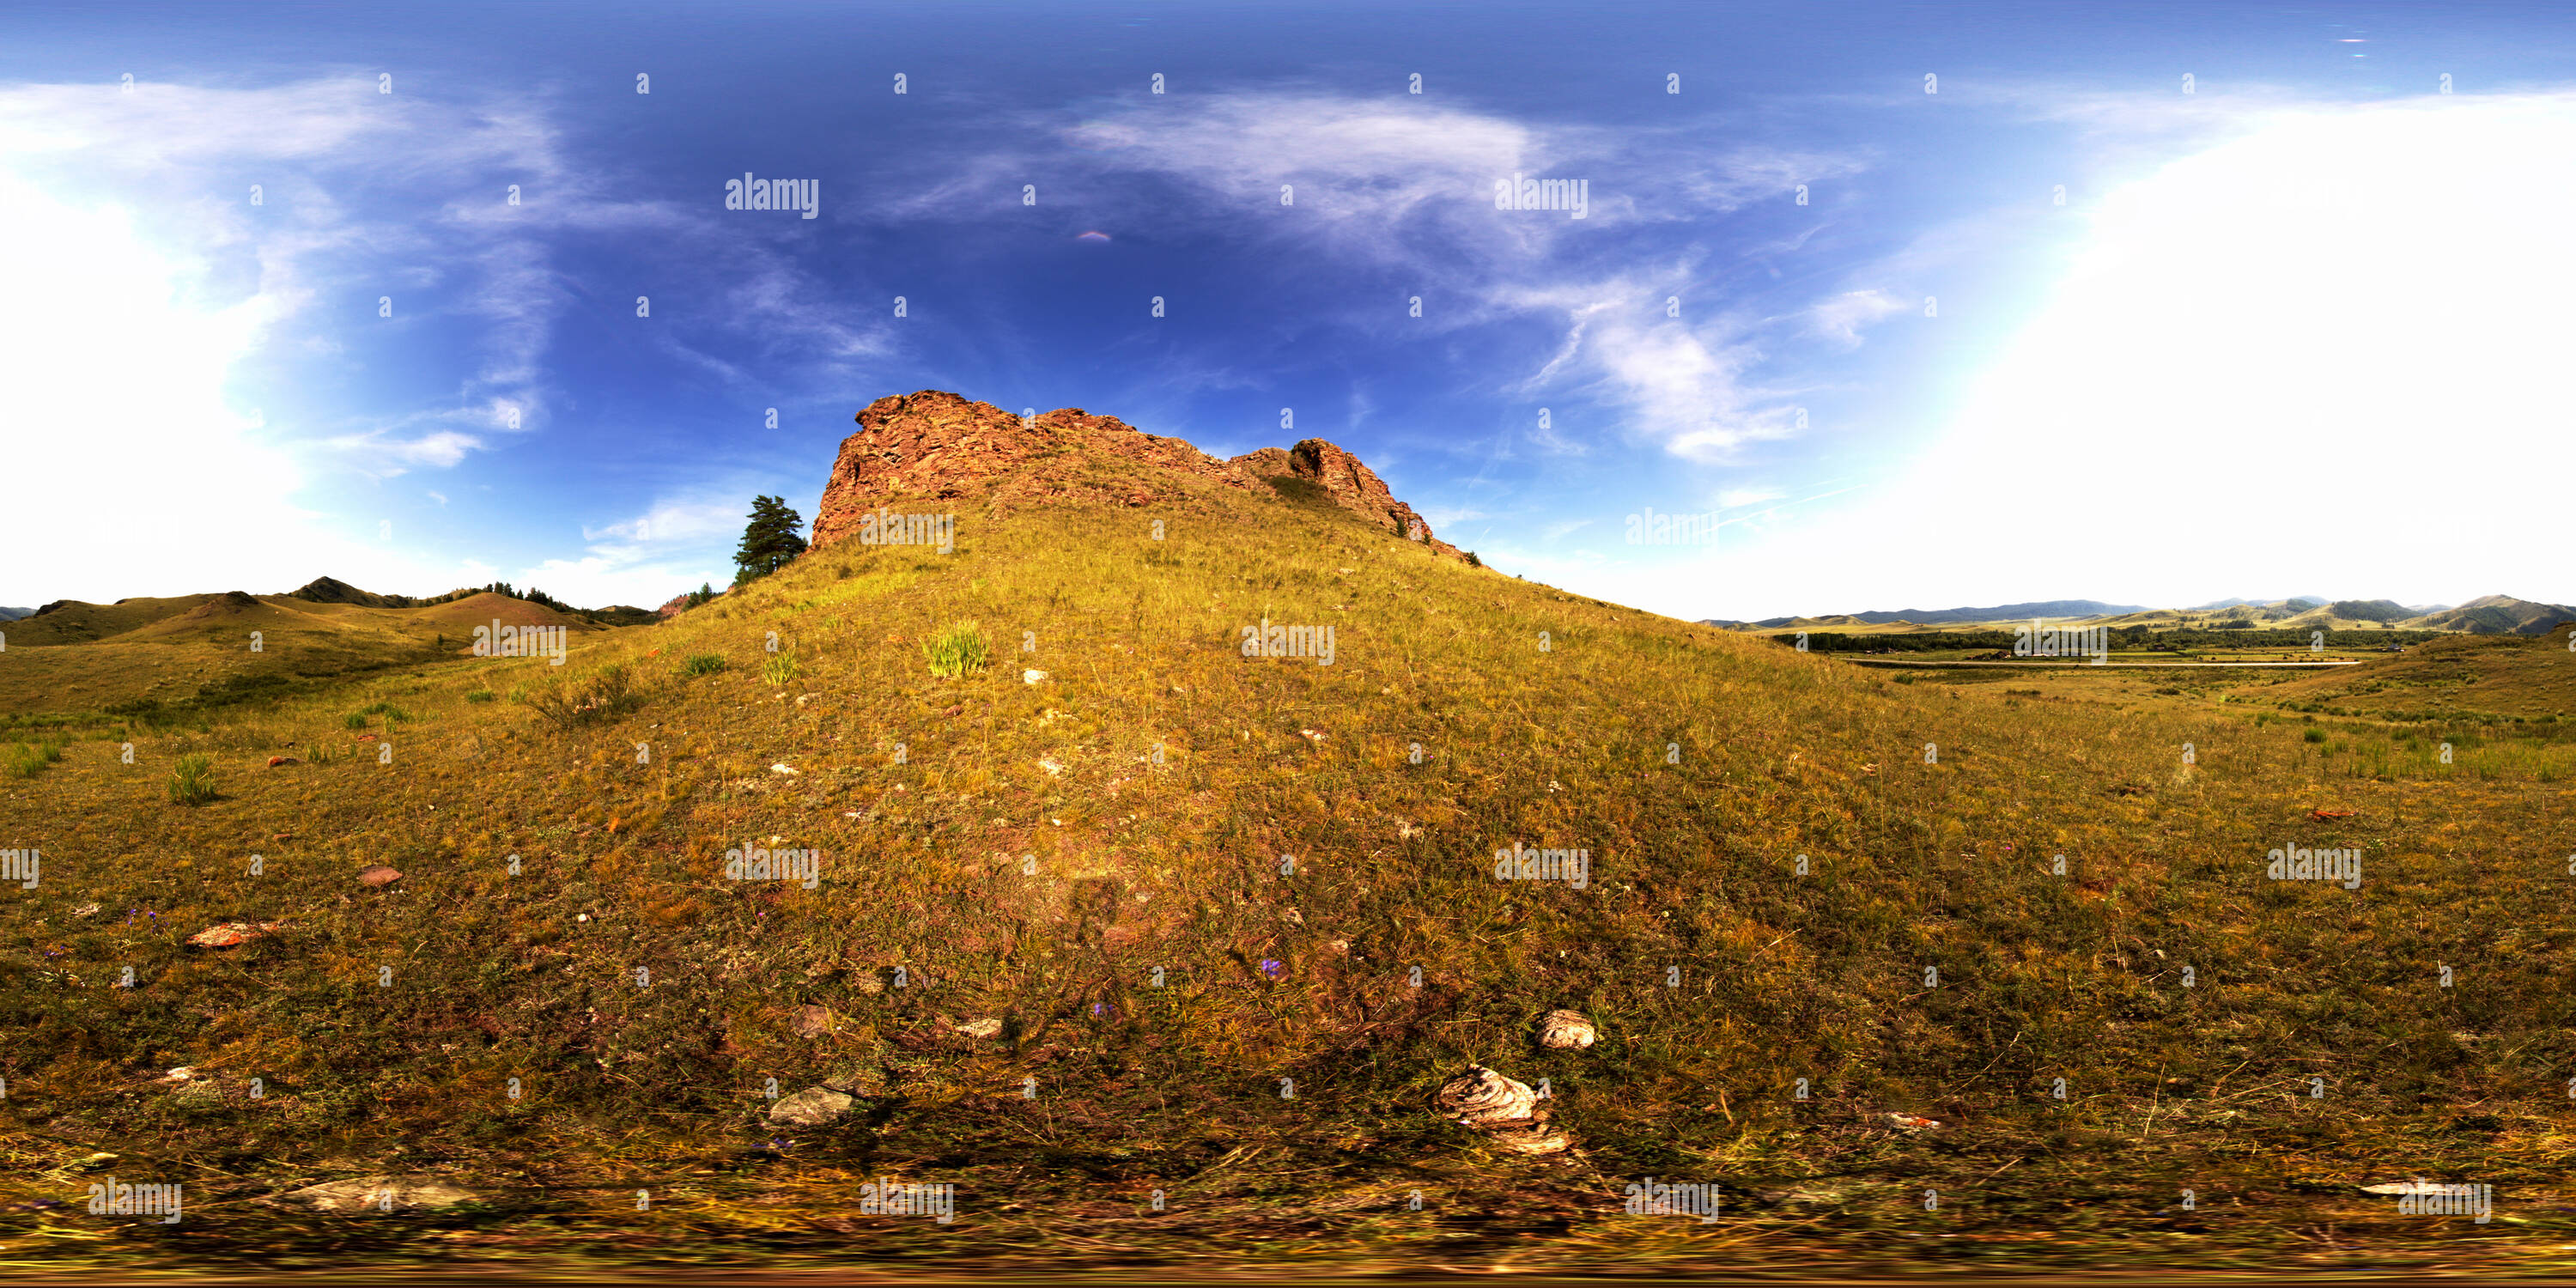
[702, 664]
[28, 760]
[958, 649]
[606, 694]
[479, 695]
[779, 669]
[193, 782]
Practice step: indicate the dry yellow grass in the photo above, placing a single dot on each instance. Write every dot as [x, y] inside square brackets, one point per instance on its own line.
[1188, 881]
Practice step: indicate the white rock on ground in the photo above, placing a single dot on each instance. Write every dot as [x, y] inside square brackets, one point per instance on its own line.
[1565, 1030]
[1505, 1111]
[379, 1194]
[812, 1107]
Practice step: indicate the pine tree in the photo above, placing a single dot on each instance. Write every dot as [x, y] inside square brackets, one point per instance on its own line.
[769, 541]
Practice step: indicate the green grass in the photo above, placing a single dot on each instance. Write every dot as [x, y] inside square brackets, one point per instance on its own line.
[779, 669]
[959, 649]
[193, 781]
[702, 664]
[26, 760]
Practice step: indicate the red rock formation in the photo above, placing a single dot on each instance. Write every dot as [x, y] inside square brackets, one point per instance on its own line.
[939, 447]
[1350, 484]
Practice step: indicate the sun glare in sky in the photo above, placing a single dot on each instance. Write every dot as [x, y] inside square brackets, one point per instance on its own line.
[2323, 358]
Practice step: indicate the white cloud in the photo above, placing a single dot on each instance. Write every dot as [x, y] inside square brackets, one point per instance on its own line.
[1843, 317]
[1406, 185]
[2310, 355]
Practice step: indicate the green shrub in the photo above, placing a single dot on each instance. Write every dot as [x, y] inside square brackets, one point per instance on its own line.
[354, 720]
[479, 695]
[957, 650]
[2316, 735]
[193, 782]
[779, 669]
[703, 664]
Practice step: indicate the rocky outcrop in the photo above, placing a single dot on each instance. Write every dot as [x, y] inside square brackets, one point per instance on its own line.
[939, 447]
[1346, 481]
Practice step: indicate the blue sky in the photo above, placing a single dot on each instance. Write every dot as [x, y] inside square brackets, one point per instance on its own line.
[2292, 330]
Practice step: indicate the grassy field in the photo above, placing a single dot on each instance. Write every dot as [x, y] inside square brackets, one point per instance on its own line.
[179, 659]
[1194, 887]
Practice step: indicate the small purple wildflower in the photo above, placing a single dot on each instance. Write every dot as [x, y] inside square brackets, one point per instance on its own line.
[1273, 967]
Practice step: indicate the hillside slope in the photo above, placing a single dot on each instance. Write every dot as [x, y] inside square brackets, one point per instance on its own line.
[1233, 917]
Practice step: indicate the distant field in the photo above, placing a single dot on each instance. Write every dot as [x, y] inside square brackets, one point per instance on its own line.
[194, 653]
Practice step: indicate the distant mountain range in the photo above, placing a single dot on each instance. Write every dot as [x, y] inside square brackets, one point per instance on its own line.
[1938, 616]
[2491, 615]
[13, 614]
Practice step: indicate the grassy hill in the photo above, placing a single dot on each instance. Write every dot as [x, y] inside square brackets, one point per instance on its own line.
[2532, 677]
[1193, 889]
[176, 658]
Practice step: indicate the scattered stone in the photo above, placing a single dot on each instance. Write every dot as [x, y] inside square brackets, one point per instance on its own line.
[366, 737]
[233, 933]
[2417, 1186]
[1911, 1122]
[814, 1021]
[812, 1107]
[984, 1028]
[1311, 736]
[275, 761]
[1564, 1030]
[86, 910]
[1506, 1111]
[379, 876]
[1032, 676]
[1481, 1097]
[1051, 766]
[178, 1077]
[781, 768]
[380, 1194]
